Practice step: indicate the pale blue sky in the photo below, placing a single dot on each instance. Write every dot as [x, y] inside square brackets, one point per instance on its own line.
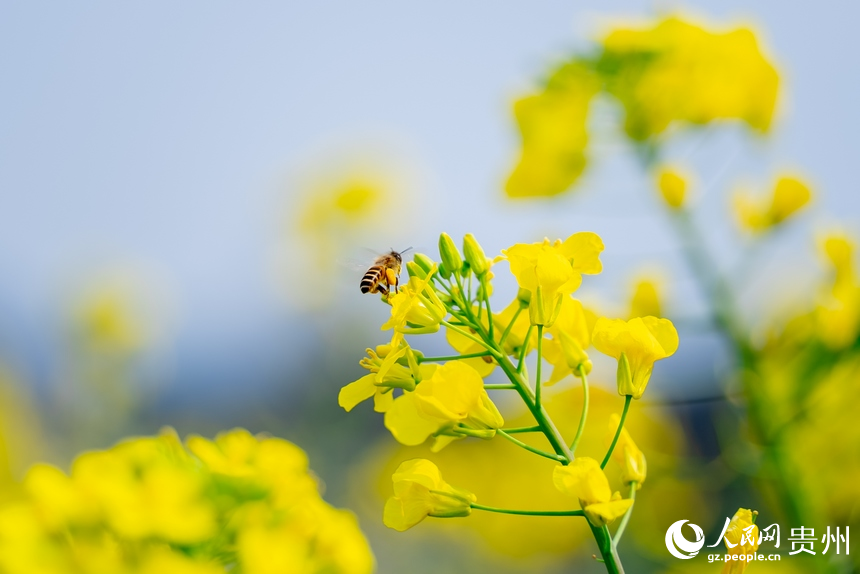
[150, 134]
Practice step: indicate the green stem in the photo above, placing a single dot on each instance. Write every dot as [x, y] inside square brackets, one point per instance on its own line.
[510, 327]
[530, 448]
[540, 415]
[470, 336]
[484, 283]
[528, 512]
[627, 400]
[539, 361]
[455, 357]
[499, 387]
[624, 520]
[518, 430]
[522, 361]
[584, 414]
[607, 551]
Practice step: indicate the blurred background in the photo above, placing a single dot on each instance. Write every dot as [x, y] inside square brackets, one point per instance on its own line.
[189, 195]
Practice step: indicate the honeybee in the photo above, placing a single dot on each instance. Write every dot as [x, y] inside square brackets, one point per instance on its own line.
[384, 273]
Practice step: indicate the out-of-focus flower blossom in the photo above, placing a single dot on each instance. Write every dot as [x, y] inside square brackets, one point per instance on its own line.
[552, 124]
[789, 196]
[645, 301]
[628, 456]
[519, 330]
[419, 492]
[637, 344]
[741, 538]
[451, 404]
[551, 271]
[583, 479]
[676, 71]
[838, 312]
[150, 505]
[672, 184]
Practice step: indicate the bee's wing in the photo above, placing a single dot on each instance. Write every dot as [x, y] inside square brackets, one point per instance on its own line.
[354, 265]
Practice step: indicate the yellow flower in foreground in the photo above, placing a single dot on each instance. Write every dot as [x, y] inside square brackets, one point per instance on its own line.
[553, 128]
[419, 492]
[637, 344]
[626, 454]
[551, 271]
[517, 336]
[672, 185]
[583, 479]
[466, 346]
[741, 538]
[789, 196]
[389, 369]
[678, 71]
[242, 503]
[451, 404]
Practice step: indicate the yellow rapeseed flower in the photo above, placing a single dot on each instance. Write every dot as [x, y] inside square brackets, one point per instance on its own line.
[551, 271]
[741, 538]
[466, 346]
[676, 71]
[789, 196]
[584, 480]
[419, 492]
[628, 456]
[637, 344]
[837, 315]
[137, 507]
[451, 404]
[416, 309]
[672, 185]
[553, 127]
[387, 372]
[571, 335]
[517, 336]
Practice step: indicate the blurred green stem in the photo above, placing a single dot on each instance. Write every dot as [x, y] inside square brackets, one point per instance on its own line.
[584, 414]
[627, 400]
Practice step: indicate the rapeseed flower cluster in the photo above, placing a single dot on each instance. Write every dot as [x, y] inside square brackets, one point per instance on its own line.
[240, 503]
[447, 398]
[671, 72]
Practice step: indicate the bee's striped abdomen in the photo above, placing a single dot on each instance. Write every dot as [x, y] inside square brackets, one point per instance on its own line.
[371, 279]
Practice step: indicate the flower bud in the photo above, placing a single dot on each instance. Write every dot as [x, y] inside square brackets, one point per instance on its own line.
[415, 270]
[673, 187]
[450, 255]
[424, 262]
[524, 297]
[475, 255]
[444, 271]
[624, 377]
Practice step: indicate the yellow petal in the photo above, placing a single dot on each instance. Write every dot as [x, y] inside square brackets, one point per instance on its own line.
[606, 512]
[356, 392]
[406, 423]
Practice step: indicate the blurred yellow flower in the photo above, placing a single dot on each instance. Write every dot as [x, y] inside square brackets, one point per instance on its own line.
[741, 538]
[419, 492]
[637, 344]
[789, 196]
[554, 133]
[550, 271]
[149, 505]
[672, 185]
[451, 404]
[678, 71]
[838, 313]
[628, 456]
[466, 346]
[646, 299]
[583, 479]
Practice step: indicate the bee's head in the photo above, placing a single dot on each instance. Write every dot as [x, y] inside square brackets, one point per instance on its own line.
[399, 256]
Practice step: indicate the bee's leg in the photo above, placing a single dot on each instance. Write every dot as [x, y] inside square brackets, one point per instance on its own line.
[380, 288]
[392, 279]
